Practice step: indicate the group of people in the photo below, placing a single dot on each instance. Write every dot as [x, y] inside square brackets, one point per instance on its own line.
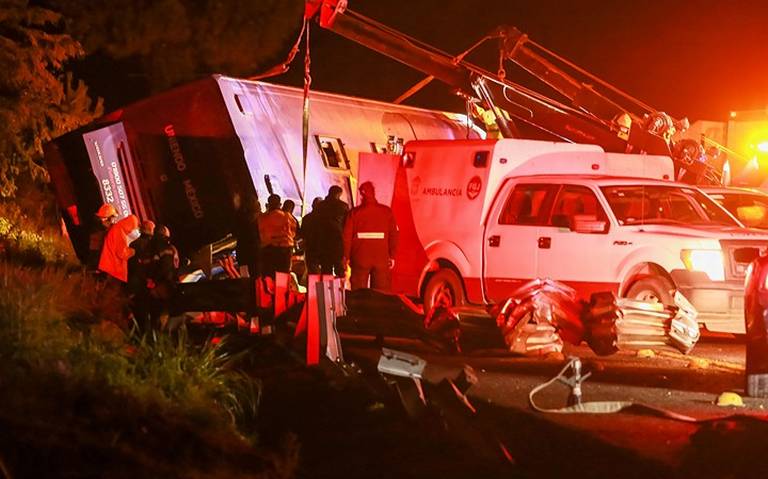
[140, 260]
[333, 238]
[137, 259]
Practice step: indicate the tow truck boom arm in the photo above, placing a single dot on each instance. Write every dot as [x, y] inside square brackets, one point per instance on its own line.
[591, 116]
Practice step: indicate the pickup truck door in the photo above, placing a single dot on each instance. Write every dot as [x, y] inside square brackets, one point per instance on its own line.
[579, 252]
[511, 237]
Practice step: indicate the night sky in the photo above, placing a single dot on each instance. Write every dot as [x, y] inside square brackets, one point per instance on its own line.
[692, 58]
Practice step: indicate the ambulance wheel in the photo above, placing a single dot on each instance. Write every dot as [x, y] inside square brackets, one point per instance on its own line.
[443, 286]
[652, 288]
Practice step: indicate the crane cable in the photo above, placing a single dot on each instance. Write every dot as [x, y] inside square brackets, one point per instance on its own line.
[305, 116]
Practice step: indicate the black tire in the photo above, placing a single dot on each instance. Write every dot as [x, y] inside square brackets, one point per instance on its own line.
[444, 282]
[651, 288]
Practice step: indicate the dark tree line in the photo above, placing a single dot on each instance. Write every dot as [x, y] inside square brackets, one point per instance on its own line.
[173, 41]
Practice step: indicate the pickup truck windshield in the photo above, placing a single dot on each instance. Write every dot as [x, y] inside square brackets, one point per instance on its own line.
[656, 204]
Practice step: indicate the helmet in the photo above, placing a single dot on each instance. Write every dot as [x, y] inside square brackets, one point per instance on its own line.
[163, 231]
[147, 227]
[106, 211]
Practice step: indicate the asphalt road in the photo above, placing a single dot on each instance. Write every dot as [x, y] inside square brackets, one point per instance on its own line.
[662, 382]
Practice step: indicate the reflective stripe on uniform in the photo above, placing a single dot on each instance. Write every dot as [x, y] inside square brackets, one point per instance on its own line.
[370, 235]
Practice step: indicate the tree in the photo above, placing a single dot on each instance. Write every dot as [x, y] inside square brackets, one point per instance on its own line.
[38, 100]
[180, 40]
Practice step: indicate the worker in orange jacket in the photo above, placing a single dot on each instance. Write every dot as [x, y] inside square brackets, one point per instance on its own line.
[116, 250]
[277, 233]
[370, 242]
[106, 216]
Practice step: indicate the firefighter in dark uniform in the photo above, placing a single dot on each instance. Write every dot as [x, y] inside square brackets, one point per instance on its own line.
[370, 242]
[138, 273]
[248, 242]
[332, 212]
[311, 235]
[162, 275]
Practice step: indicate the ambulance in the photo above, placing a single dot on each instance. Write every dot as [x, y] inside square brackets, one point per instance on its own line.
[477, 218]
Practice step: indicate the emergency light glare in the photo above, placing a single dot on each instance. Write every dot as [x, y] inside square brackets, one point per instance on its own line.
[707, 261]
[762, 147]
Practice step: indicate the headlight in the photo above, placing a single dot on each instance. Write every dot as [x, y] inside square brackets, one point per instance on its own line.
[708, 261]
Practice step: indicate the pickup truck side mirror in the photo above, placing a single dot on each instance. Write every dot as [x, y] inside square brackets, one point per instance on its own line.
[588, 224]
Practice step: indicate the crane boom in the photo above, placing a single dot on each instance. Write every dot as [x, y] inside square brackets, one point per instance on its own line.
[591, 117]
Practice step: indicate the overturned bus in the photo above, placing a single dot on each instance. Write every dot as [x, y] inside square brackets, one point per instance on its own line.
[193, 156]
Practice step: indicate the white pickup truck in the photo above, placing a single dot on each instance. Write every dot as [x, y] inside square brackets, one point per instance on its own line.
[479, 217]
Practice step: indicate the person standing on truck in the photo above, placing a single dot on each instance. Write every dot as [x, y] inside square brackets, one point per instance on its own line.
[310, 237]
[277, 238]
[248, 240]
[332, 212]
[105, 218]
[370, 242]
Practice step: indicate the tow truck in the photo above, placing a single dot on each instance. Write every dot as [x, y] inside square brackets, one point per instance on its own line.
[591, 112]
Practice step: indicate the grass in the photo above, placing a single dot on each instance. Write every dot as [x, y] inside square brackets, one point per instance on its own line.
[65, 348]
[31, 241]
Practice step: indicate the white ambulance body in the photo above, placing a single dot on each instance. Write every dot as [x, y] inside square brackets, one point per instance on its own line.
[479, 217]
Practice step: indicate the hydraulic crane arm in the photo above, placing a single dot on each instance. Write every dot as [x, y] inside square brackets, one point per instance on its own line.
[543, 64]
[334, 16]
[591, 117]
[552, 119]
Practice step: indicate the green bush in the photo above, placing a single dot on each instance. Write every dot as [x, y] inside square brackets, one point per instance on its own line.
[54, 320]
[81, 376]
[30, 241]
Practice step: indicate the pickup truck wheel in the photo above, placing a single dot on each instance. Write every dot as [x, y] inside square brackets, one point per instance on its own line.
[444, 287]
[653, 288]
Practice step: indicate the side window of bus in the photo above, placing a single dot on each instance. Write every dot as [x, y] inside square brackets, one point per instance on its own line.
[332, 151]
[576, 202]
[528, 204]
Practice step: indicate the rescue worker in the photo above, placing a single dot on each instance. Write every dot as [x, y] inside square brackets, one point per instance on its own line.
[138, 273]
[116, 251]
[105, 218]
[162, 275]
[332, 212]
[248, 242]
[288, 207]
[310, 236]
[277, 238]
[370, 242]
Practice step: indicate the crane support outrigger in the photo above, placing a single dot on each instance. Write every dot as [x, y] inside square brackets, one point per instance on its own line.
[594, 112]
